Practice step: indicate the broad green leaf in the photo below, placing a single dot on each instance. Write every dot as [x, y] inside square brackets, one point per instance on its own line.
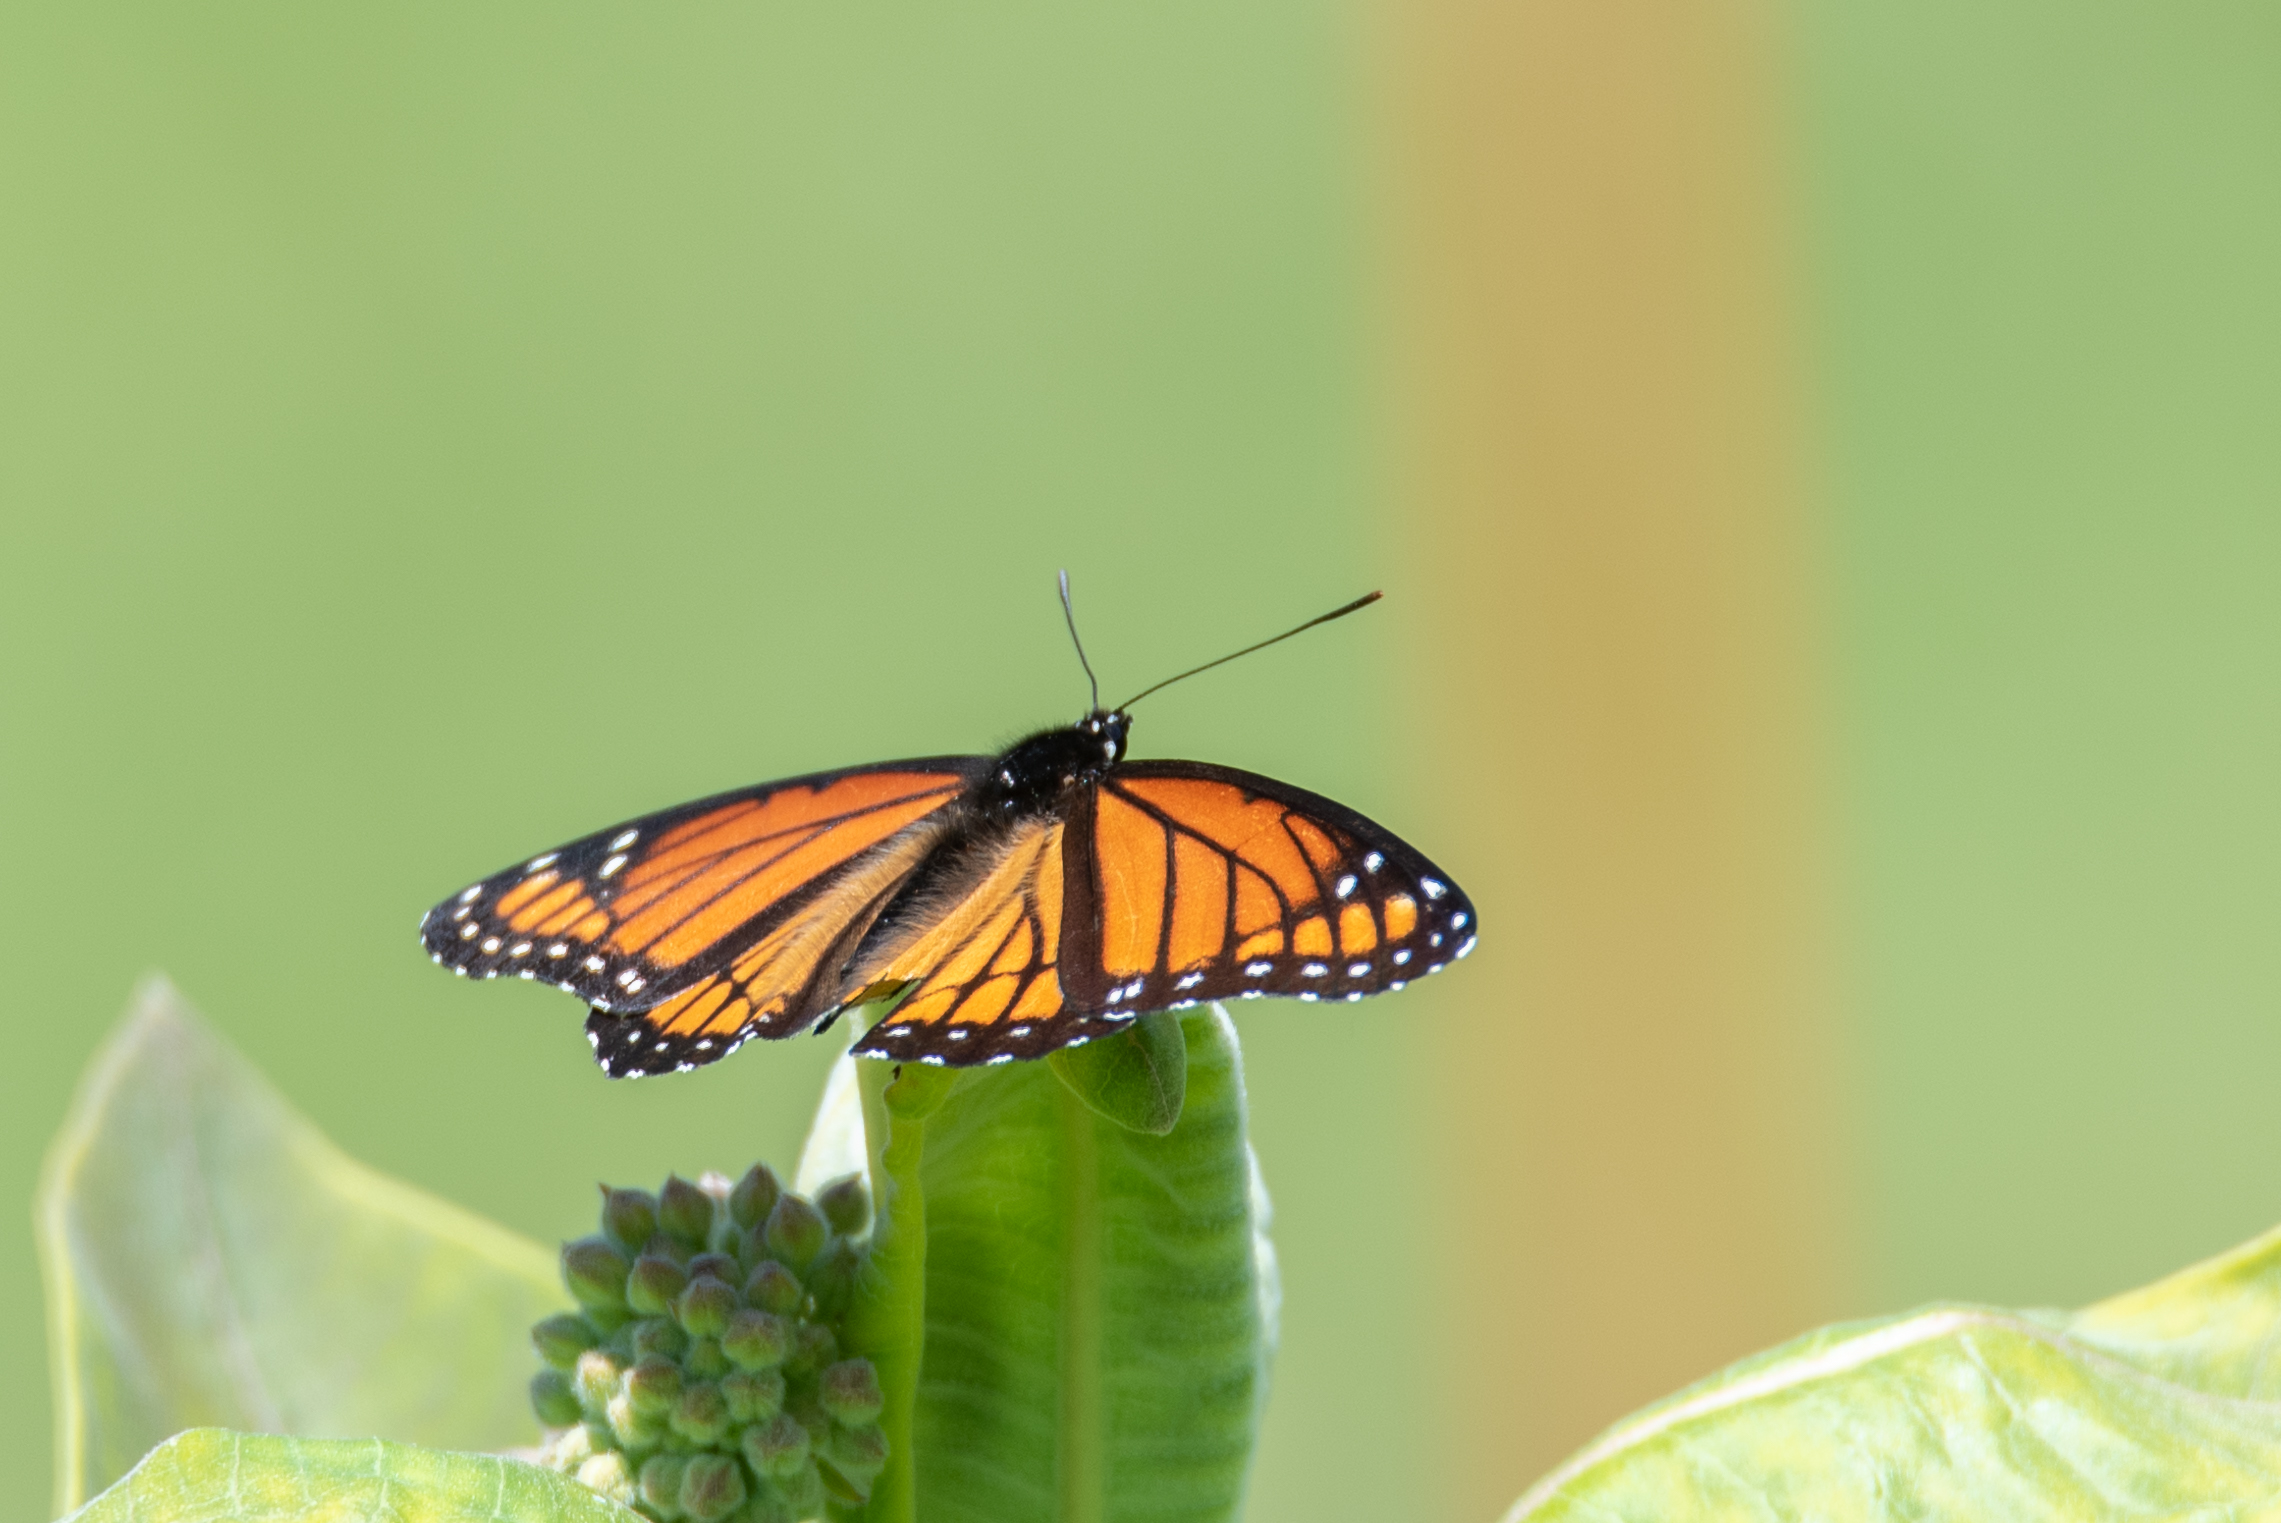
[2162, 1403]
[211, 1260]
[1098, 1303]
[209, 1475]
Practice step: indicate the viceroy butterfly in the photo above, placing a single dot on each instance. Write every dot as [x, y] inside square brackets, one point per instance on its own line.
[1010, 904]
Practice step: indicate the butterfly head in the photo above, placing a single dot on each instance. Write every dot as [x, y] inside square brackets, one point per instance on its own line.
[1030, 775]
[1108, 731]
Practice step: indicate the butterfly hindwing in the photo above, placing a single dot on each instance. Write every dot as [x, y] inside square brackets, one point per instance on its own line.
[979, 975]
[632, 918]
[1210, 883]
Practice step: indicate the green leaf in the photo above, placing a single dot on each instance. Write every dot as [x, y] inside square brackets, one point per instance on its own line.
[212, 1260]
[2162, 1403]
[1098, 1303]
[1136, 1078]
[209, 1475]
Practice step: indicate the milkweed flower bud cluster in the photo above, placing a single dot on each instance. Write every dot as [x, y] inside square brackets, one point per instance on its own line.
[701, 1378]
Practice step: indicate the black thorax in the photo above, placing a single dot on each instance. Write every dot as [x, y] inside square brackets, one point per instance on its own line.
[1027, 779]
[1030, 776]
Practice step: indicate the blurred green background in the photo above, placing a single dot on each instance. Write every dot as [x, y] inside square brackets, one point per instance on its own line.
[428, 434]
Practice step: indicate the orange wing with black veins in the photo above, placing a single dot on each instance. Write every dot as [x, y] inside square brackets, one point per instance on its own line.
[1210, 883]
[980, 979]
[690, 930]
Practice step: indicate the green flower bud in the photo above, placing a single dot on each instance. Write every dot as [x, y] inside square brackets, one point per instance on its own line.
[653, 1385]
[753, 1395]
[685, 1212]
[813, 1347]
[832, 1277]
[709, 1382]
[754, 1197]
[858, 1453]
[595, 1271]
[607, 1475]
[712, 1487]
[705, 1361]
[849, 1391]
[804, 1489]
[553, 1399]
[777, 1447]
[750, 1249]
[795, 1231]
[704, 1308]
[629, 1217]
[656, 1335]
[561, 1339]
[654, 1284]
[575, 1446]
[661, 1484]
[701, 1415]
[808, 1412]
[631, 1429]
[608, 1319]
[774, 1288]
[595, 1379]
[715, 1266]
[769, 1504]
[757, 1340]
[846, 1204]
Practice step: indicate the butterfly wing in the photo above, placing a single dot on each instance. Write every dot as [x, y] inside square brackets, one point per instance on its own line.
[1168, 883]
[745, 895]
[978, 967]
[1204, 882]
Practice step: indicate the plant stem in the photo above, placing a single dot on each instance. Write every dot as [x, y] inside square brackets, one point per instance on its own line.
[887, 1323]
[1082, 1461]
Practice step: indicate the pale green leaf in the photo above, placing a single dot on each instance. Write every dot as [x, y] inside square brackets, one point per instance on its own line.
[2164, 1403]
[211, 1260]
[209, 1475]
[1098, 1302]
[835, 1138]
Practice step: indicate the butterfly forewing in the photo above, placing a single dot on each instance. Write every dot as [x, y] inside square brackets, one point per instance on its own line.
[1212, 883]
[777, 983]
[631, 917]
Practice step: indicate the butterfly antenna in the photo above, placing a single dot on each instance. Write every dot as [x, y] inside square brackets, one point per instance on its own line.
[1070, 614]
[1336, 613]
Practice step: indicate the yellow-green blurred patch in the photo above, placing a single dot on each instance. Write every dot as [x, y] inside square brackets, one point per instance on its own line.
[2161, 1403]
[209, 1474]
[212, 1260]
